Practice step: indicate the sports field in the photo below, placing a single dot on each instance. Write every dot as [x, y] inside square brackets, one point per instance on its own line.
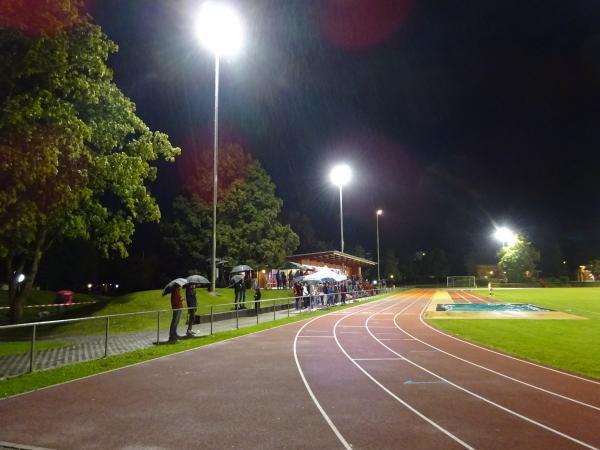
[572, 345]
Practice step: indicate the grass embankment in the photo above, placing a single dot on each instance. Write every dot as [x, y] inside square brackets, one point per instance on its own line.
[129, 303]
[571, 345]
[37, 380]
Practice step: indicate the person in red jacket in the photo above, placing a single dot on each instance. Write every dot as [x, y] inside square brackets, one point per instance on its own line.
[176, 304]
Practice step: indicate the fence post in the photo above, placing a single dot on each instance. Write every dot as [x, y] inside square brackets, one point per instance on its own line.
[237, 319]
[211, 320]
[288, 306]
[274, 309]
[32, 353]
[157, 327]
[257, 309]
[106, 337]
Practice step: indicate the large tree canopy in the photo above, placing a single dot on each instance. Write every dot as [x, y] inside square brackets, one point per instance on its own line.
[519, 260]
[248, 227]
[74, 156]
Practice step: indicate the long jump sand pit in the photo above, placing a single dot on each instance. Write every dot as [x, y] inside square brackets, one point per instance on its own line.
[444, 297]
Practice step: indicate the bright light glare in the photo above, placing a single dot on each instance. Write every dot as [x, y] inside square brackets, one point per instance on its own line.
[340, 175]
[219, 29]
[379, 212]
[506, 236]
[20, 278]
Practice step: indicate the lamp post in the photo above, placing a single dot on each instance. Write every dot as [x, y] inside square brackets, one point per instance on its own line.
[377, 214]
[220, 31]
[506, 236]
[341, 175]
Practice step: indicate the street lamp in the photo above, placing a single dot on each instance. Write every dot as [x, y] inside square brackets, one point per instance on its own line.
[506, 236]
[377, 214]
[340, 175]
[219, 29]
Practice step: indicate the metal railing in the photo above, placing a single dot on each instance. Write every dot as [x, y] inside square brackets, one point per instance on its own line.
[238, 317]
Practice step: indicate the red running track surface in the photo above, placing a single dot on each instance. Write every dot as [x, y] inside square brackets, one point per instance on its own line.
[373, 376]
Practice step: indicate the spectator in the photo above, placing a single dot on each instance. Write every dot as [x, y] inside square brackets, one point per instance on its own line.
[257, 296]
[176, 305]
[192, 303]
[305, 296]
[297, 294]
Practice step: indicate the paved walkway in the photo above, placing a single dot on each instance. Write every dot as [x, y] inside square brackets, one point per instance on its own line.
[86, 348]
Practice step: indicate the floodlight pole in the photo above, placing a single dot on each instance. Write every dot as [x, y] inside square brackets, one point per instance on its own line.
[341, 219]
[378, 272]
[216, 177]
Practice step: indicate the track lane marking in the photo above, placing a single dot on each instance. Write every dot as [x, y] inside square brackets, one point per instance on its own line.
[385, 389]
[480, 397]
[547, 391]
[312, 395]
[505, 355]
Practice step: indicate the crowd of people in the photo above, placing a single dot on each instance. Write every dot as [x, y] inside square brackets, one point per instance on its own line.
[307, 296]
[319, 295]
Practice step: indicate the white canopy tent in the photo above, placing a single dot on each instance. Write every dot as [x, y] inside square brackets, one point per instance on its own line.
[325, 274]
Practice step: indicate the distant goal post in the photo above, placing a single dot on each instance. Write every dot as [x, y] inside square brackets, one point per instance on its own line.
[461, 282]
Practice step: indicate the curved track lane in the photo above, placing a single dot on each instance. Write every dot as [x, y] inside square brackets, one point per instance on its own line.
[469, 395]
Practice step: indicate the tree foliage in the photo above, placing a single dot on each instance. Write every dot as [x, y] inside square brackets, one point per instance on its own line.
[518, 261]
[248, 227]
[74, 156]
[390, 264]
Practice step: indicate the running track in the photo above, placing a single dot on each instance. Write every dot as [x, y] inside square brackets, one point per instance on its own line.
[374, 376]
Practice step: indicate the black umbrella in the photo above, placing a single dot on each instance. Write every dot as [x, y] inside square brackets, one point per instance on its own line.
[241, 268]
[235, 279]
[197, 279]
[176, 282]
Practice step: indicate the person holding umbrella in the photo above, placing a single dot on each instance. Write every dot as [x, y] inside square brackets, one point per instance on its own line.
[176, 304]
[192, 303]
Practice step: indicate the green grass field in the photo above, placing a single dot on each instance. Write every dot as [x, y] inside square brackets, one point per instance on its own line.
[571, 345]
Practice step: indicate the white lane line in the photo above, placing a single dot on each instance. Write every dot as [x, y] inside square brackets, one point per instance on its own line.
[351, 332]
[556, 394]
[339, 435]
[317, 336]
[477, 297]
[396, 339]
[464, 298]
[497, 405]
[361, 326]
[404, 403]
[377, 359]
[506, 356]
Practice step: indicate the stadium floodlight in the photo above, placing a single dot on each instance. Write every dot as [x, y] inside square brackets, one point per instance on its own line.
[340, 175]
[219, 29]
[506, 236]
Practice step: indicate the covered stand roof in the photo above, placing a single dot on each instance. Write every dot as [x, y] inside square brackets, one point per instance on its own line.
[332, 257]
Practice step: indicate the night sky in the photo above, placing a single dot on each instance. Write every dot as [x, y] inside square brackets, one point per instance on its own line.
[454, 115]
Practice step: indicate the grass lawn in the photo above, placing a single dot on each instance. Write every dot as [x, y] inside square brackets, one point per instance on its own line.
[133, 302]
[571, 345]
[37, 380]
